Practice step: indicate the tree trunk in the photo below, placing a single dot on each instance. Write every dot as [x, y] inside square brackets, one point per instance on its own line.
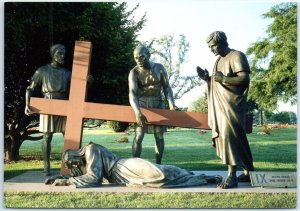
[13, 143]
[261, 117]
[15, 135]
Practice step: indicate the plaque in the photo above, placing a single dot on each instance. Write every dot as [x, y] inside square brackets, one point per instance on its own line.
[273, 179]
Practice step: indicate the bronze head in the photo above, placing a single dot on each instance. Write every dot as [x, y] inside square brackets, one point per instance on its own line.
[217, 42]
[141, 56]
[58, 52]
[72, 159]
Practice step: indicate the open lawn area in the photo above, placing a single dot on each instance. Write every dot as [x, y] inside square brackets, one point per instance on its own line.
[186, 148]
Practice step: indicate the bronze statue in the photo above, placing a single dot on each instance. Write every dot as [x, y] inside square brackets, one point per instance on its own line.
[54, 80]
[93, 163]
[146, 82]
[227, 94]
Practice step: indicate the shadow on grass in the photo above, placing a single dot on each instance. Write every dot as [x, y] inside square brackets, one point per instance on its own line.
[13, 173]
[16, 172]
[8, 174]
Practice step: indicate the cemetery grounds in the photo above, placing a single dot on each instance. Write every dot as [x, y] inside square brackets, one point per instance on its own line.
[187, 148]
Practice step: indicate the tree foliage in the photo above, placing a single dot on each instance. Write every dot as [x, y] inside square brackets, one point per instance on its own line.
[200, 105]
[172, 53]
[31, 28]
[274, 59]
[118, 126]
[282, 117]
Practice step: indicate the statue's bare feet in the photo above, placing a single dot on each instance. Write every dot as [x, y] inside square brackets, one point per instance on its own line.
[229, 182]
[214, 179]
[244, 178]
[218, 179]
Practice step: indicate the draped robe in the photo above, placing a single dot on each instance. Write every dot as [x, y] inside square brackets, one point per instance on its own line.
[227, 112]
[55, 84]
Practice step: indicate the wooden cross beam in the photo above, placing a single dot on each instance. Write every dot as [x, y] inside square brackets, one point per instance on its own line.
[76, 109]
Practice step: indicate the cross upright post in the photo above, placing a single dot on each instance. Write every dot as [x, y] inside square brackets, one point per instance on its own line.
[77, 96]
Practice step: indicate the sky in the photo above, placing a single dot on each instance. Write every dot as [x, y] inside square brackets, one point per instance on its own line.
[241, 20]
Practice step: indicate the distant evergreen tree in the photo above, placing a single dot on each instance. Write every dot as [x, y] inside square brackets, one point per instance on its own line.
[273, 59]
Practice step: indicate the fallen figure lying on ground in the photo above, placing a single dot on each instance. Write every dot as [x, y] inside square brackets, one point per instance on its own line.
[93, 163]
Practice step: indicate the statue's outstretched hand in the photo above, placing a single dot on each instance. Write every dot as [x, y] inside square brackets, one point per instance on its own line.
[50, 180]
[28, 111]
[218, 76]
[141, 119]
[203, 74]
[61, 182]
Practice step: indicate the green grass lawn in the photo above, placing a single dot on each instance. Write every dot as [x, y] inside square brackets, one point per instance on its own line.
[185, 148]
[148, 200]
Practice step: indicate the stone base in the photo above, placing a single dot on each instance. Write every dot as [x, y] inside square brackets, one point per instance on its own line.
[33, 181]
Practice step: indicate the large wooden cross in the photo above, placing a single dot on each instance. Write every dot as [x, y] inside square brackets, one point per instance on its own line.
[76, 109]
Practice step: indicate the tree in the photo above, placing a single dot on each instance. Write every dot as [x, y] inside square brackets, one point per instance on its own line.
[284, 117]
[276, 81]
[266, 116]
[281, 117]
[200, 105]
[30, 30]
[293, 117]
[172, 53]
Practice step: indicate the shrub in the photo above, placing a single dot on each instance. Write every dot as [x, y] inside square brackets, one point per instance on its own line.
[118, 126]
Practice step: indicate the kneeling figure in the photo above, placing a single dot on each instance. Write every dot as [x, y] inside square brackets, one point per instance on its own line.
[93, 163]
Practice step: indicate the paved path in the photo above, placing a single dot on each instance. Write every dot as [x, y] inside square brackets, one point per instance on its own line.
[33, 181]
